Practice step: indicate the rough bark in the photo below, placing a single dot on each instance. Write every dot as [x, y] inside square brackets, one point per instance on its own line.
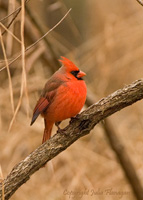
[79, 127]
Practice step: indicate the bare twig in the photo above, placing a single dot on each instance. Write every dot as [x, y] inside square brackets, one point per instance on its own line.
[35, 21]
[17, 11]
[24, 77]
[79, 127]
[16, 38]
[35, 43]
[48, 31]
[140, 2]
[9, 39]
[11, 21]
[23, 80]
[8, 72]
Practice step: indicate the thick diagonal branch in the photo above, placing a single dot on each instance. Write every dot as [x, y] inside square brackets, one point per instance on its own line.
[79, 127]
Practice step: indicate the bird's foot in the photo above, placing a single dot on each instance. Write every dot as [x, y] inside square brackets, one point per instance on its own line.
[59, 129]
[74, 118]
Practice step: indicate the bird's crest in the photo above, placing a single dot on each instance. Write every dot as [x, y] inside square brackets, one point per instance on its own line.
[68, 64]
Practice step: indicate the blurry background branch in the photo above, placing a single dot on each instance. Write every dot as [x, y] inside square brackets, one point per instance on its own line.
[78, 127]
[140, 2]
[15, 13]
[120, 150]
[38, 26]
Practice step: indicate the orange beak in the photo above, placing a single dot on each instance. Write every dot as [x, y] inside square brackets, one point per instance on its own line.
[81, 74]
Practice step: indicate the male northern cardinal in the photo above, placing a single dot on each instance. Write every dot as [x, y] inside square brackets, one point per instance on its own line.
[63, 96]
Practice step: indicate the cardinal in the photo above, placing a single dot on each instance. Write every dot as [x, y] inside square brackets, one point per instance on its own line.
[63, 97]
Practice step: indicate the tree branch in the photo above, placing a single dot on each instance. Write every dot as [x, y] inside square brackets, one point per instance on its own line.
[79, 127]
[140, 2]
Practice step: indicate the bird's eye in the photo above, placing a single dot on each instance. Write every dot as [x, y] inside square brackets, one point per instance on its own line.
[75, 73]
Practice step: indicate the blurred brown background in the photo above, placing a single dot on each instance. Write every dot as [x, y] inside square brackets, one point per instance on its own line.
[104, 38]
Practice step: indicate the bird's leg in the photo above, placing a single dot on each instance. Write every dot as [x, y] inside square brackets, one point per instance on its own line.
[74, 118]
[57, 125]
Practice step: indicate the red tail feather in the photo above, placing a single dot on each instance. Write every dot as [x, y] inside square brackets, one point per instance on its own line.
[47, 131]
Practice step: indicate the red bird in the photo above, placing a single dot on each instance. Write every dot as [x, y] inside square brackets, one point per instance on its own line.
[63, 96]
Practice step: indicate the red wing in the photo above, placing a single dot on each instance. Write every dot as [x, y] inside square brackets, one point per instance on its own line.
[47, 96]
[41, 105]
